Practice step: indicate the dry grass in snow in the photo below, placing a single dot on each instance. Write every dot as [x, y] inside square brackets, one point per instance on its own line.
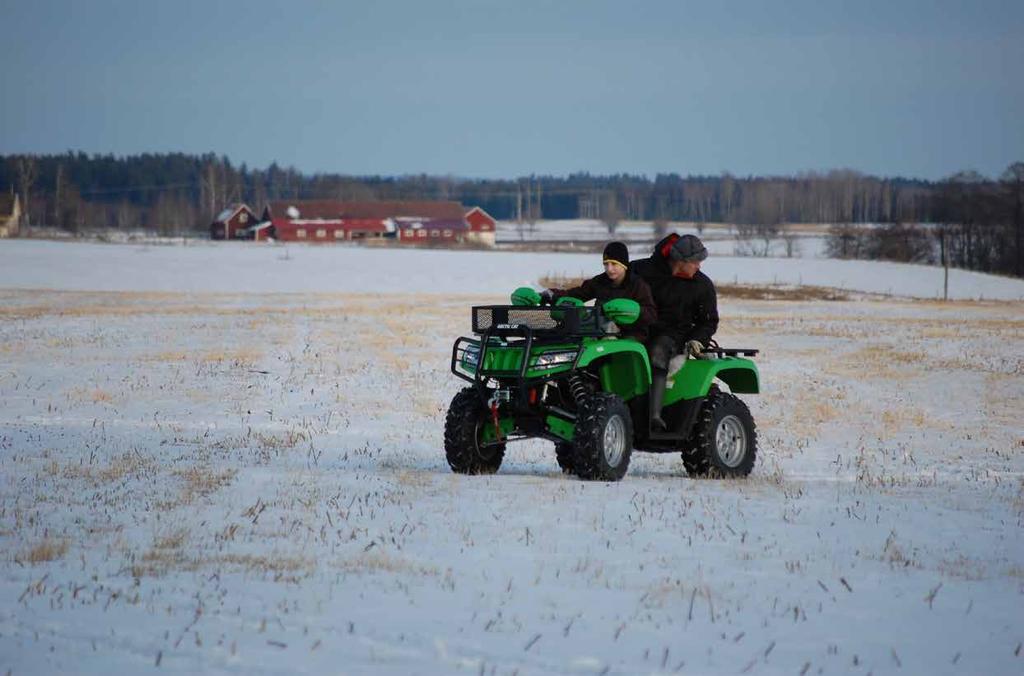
[236, 484]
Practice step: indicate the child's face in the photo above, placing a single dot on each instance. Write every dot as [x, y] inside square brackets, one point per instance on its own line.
[614, 271]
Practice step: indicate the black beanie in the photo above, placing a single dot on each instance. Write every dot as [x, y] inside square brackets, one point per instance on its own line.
[616, 251]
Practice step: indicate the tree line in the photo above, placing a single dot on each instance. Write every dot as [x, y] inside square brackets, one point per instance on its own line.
[972, 220]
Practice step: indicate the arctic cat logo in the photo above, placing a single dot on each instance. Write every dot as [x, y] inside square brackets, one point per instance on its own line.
[509, 326]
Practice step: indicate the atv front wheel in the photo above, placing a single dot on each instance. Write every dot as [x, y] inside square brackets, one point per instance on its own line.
[464, 447]
[724, 439]
[603, 439]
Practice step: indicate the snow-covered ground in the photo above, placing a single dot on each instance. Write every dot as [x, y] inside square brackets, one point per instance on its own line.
[245, 267]
[203, 470]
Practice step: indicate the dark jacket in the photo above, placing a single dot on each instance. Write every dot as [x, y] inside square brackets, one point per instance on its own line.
[687, 308]
[602, 290]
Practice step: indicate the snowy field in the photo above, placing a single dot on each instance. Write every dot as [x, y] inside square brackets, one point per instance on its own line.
[244, 267]
[808, 241]
[228, 459]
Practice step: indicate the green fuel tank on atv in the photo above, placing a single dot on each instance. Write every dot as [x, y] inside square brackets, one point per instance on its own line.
[695, 377]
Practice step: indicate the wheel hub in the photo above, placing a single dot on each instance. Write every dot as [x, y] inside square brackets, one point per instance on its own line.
[614, 441]
[731, 441]
[485, 450]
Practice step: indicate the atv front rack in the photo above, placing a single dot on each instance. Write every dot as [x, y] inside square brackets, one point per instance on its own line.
[526, 327]
[541, 322]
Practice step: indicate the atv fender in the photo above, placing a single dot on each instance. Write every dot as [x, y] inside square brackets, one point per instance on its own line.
[695, 377]
[622, 365]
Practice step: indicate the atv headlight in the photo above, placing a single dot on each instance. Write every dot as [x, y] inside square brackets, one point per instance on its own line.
[550, 359]
[471, 356]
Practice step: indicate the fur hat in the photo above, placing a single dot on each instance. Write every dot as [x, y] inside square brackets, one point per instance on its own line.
[616, 252]
[688, 248]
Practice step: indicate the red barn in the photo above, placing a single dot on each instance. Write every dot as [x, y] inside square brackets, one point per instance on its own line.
[327, 230]
[410, 222]
[328, 209]
[431, 230]
[232, 222]
[482, 226]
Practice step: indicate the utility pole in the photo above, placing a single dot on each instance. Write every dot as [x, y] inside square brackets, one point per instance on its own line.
[945, 266]
[540, 193]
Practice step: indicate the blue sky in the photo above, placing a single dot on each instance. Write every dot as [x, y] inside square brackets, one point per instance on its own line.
[503, 89]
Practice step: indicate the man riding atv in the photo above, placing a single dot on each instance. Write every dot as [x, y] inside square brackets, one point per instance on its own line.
[687, 308]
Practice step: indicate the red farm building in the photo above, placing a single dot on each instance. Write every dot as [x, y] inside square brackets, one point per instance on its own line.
[407, 222]
[323, 229]
[233, 222]
[482, 227]
[432, 230]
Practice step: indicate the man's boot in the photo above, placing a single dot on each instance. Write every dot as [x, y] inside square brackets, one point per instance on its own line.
[657, 396]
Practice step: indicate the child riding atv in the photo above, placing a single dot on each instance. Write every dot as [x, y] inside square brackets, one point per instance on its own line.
[617, 281]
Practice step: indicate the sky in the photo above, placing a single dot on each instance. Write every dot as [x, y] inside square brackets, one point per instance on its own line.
[491, 89]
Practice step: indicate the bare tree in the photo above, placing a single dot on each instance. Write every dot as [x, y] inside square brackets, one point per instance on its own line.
[611, 215]
[728, 196]
[902, 243]
[659, 227]
[28, 172]
[211, 189]
[845, 240]
[1013, 188]
[757, 222]
[790, 240]
[58, 185]
[126, 217]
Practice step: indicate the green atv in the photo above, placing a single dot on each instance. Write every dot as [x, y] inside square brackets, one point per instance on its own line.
[561, 373]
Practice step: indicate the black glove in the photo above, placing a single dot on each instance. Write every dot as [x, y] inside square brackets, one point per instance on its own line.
[547, 297]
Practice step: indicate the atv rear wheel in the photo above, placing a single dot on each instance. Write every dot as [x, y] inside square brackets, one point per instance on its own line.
[463, 436]
[603, 438]
[724, 439]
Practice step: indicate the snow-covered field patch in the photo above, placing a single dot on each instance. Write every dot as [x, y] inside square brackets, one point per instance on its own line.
[228, 459]
[796, 240]
[246, 267]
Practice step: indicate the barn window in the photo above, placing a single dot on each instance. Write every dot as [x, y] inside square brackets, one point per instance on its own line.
[447, 233]
[435, 233]
[321, 233]
[243, 217]
[301, 233]
[339, 234]
[421, 233]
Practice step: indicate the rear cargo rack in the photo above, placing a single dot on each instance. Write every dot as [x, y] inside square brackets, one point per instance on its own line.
[714, 349]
